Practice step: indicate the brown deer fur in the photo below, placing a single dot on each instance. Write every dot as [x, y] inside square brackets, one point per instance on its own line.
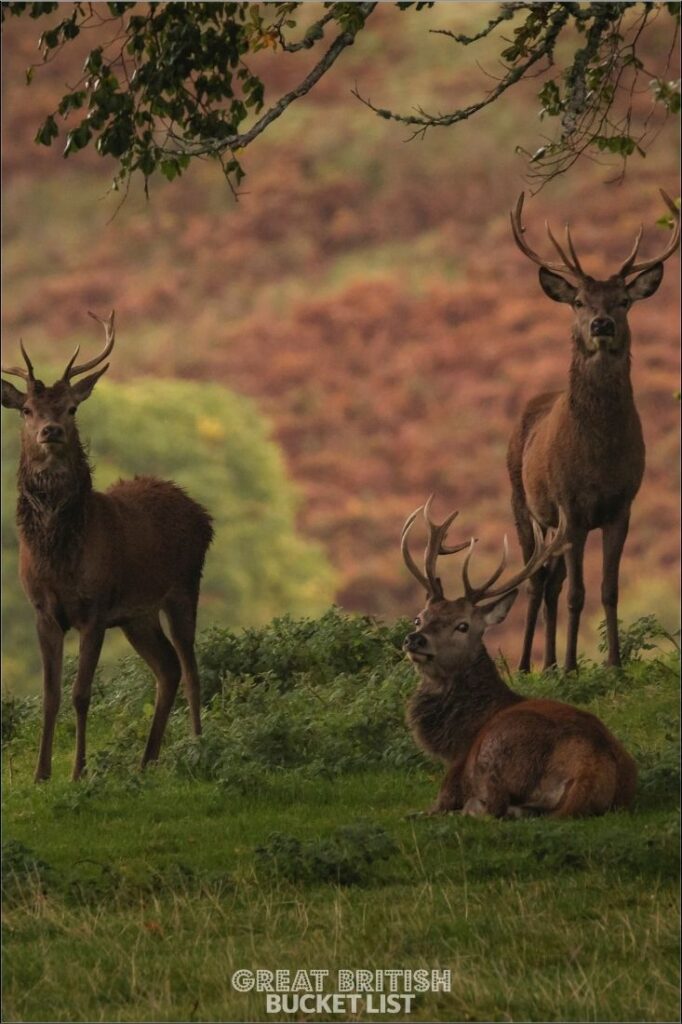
[90, 561]
[582, 449]
[506, 755]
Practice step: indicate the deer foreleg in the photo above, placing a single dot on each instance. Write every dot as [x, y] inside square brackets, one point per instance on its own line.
[450, 796]
[91, 641]
[613, 541]
[576, 596]
[51, 640]
[535, 591]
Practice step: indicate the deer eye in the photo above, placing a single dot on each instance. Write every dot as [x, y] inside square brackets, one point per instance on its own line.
[416, 622]
[463, 627]
[624, 303]
[72, 410]
[26, 411]
[578, 304]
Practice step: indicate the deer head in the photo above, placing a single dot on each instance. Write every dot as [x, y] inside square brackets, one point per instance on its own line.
[449, 634]
[600, 307]
[48, 413]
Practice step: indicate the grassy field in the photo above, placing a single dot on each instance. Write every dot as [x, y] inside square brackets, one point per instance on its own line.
[283, 840]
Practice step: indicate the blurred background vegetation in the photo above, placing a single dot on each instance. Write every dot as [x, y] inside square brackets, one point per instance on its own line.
[364, 294]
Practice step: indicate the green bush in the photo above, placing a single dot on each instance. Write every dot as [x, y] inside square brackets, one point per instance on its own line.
[316, 697]
[216, 445]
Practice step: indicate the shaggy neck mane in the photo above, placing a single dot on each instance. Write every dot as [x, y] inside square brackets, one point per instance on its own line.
[600, 392]
[447, 719]
[52, 505]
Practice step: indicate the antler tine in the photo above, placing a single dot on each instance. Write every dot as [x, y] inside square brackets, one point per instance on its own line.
[630, 267]
[29, 364]
[568, 265]
[436, 547]
[518, 231]
[67, 371]
[110, 336]
[469, 591]
[474, 593]
[574, 256]
[633, 253]
[545, 548]
[407, 557]
[18, 371]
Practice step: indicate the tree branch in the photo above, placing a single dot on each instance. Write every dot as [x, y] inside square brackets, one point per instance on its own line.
[212, 147]
[424, 121]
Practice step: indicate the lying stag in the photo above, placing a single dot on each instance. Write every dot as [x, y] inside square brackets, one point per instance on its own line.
[582, 448]
[92, 561]
[507, 756]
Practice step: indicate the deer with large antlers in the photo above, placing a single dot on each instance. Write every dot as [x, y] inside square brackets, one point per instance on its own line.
[582, 449]
[506, 755]
[91, 560]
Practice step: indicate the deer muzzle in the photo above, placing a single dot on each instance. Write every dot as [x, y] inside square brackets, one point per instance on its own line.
[50, 434]
[603, 336]
[416, 645]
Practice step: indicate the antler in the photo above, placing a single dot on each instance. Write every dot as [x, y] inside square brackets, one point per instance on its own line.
[630, 267]
[18, 371]
[569, 264]
[434, 548]
[110, 336]
[543, 551]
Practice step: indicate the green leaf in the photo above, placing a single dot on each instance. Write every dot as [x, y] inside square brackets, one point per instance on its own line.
[47, 131]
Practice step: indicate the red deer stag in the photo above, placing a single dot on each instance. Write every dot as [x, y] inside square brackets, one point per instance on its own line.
[506, 755]
[582, 448]
[92, 561]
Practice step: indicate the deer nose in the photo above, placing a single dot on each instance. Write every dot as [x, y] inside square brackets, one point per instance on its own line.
[602, 326]
[414, 640]
[51, 432]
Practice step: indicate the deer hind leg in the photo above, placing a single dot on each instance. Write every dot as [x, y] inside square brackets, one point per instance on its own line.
[91, 640]
[536, 588]
[152, 644]
[51, 640]
[576, 596]
[613, 541]
[181, 609]
[555, 581]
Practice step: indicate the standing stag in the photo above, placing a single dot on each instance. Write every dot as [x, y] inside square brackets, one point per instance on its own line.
[506, 756]
[90, 561]
[582, 449]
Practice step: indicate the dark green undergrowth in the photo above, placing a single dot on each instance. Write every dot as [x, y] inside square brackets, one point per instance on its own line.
[284, 838]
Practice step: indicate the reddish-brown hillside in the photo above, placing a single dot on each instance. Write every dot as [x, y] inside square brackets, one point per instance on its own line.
[365, 291]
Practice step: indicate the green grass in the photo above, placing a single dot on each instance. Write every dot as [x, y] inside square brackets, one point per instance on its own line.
[282, 840]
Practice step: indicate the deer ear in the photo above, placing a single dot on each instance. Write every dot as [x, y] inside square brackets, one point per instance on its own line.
[497, 611]
[646, 283]
[12, 398]
[557, 287]
[82, 389]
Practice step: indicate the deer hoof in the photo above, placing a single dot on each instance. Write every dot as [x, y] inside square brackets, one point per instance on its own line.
[475, 808]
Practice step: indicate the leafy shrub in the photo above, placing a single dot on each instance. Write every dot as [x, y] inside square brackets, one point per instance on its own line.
[14, 713]
[644, 634]
[332, 645]
[318, 697]
[346, 857]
